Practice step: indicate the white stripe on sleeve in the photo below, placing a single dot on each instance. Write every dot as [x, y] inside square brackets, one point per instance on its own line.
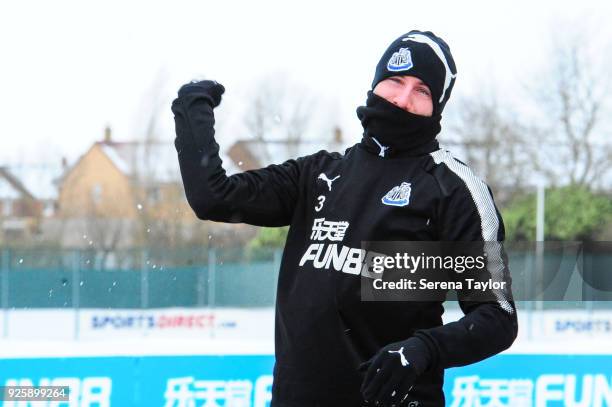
[489, 222]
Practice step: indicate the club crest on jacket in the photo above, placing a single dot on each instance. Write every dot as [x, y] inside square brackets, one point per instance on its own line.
[399, 195]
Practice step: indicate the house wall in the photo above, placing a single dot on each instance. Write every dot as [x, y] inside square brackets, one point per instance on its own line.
[19, 214]
[99, 201]
[95, 187]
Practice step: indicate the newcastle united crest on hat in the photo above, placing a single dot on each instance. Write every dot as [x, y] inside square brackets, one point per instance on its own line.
[400, 60]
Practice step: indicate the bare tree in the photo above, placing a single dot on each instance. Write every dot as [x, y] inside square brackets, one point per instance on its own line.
[103, 238]
[161, 220]
[281, 109]
[575, 102]
[494, 143]
[153, 224]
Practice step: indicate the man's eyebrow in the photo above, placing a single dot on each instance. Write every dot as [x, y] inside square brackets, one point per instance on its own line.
[402, 78]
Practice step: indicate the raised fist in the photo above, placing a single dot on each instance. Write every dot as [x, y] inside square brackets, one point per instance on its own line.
[212, 89]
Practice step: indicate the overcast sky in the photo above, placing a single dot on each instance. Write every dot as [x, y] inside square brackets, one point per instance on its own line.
[69, 68]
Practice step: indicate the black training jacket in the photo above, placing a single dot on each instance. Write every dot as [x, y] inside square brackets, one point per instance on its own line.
[322, 330]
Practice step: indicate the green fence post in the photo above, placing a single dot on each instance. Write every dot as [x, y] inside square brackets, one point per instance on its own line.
[201, 286]
[76, 266]
[144, 281]
[6, 264]
[212, 259]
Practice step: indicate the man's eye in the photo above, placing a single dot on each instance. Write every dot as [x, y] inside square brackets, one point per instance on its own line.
[424, 91]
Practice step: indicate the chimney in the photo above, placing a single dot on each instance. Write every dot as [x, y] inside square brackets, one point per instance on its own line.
[243, 156]
[107, 134]
[64, 163]
[337, 135]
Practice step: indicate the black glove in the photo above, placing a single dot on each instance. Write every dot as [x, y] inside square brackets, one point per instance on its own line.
[195, 132]
[212, 89]
[392, 372]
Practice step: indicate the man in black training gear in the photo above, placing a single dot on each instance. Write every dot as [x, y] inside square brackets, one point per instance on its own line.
[331, 348]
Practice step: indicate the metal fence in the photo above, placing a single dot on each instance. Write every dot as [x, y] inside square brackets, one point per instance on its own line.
[196, 277]
[71, 279]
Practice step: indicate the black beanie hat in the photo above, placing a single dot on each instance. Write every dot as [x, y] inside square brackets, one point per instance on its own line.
[425, 56]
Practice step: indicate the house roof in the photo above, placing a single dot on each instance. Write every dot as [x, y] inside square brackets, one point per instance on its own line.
[8, 190]
[260, 153]
[34, 180]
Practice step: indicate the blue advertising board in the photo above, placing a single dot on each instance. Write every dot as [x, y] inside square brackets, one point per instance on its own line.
[245, 380]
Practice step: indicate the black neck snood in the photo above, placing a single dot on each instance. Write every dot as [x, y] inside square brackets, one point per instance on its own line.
[389, 130]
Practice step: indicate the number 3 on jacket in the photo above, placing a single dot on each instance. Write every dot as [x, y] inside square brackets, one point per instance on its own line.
[321, 199]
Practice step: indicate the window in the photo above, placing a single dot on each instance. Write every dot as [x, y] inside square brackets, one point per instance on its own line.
[96, 193]
[153, 195]
[7, 207]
